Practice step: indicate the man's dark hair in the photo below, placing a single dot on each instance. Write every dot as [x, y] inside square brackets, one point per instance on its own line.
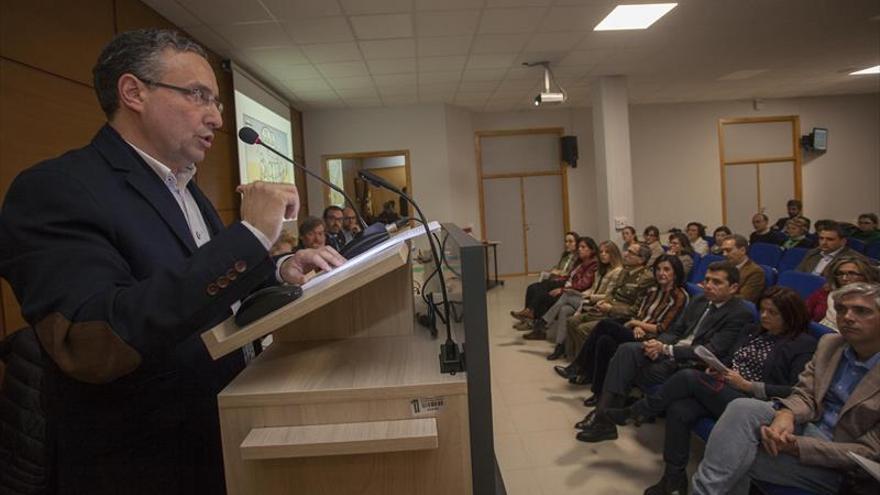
[309, 224]
[652, 230]
[795, 202]
[870, 216]
[738, 240]
[764, 216]
[831, 226]
[700, 228]
[724, 228]
[135, 52]
[331, 208]
[726, 267]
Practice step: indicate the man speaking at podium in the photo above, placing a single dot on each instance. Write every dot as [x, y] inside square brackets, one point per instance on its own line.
[120, 262]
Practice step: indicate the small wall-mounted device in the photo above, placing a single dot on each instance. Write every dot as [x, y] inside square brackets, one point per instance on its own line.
[817, 140]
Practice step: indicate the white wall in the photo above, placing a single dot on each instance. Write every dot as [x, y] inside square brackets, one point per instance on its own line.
[676, 171]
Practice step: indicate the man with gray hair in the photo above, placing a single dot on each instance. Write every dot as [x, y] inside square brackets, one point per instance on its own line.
[804, 440]
[120, 262]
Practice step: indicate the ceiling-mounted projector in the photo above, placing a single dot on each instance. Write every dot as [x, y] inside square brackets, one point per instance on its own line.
[547, 96]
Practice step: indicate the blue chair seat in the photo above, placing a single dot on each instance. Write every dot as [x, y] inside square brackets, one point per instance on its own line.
[872, 250]
[803, 283]
[698, 272]
[763, 253]
[791, 258]
[856, 244]
[769, 275]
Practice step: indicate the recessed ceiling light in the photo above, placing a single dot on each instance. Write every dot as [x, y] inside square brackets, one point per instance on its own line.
[869, 70]
[634, 16]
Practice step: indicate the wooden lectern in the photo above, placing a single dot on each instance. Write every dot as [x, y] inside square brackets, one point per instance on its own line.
[349, 398]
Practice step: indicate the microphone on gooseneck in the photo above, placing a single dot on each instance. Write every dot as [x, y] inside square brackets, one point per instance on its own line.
[250, 136]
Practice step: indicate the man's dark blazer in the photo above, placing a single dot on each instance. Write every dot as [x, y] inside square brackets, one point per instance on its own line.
[718, 333]
[99, 254]
[813, 256]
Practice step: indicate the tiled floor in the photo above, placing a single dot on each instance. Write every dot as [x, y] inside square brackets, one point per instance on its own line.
[534, 414]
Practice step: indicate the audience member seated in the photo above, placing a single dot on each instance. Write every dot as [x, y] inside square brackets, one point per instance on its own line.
[795, 210]
[622, 302]
[843, 271]
[763, 232]
[285, 243]
[550, 280]
[715, 320]
[388, 214]
[652, 240]
[680, 246]
[629, 236]
[766, 363]
[832, 245]
[311, 233]
[695, 233]
[580, 279]
[606, 279]
[657, 312]
[868, 231]
[719, 234]
[804, 440]
[350, 225]
[333, 227]
[796, 229]
[751, 276]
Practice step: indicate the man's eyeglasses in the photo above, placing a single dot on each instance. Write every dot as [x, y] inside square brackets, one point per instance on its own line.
[196, 95]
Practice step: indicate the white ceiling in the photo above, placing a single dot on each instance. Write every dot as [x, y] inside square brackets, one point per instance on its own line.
[364, 53]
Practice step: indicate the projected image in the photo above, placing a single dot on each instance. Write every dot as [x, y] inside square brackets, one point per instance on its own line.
[262, 164]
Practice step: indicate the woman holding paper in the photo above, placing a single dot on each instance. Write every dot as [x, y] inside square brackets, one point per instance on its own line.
[766, 364]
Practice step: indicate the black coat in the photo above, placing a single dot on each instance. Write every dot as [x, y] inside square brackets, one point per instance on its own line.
[786, 361]
[718, 333]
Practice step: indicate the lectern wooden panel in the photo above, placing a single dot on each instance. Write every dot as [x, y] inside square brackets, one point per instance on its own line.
[349, 398]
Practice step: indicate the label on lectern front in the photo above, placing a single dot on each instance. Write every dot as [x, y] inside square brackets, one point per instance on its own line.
[427, 405]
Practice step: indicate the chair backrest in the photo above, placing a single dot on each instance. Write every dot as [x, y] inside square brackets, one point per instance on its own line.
[699, 271]
[764, 253]
[710, 240]
[872, 250]
[791, 258]
[803, 283]
[856, 244]
[693, 290]
[818, 330]
[756, 317]
[769, 275]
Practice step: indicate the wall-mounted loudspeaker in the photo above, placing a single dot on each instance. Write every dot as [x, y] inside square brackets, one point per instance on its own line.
[570, 150]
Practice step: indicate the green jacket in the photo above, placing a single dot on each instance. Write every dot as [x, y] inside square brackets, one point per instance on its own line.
[633, 284]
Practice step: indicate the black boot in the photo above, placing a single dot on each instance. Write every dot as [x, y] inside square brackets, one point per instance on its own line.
[634, 414]
[567, 371]
[537, 332]
[597, 429]
[557, 353]
[670, 484]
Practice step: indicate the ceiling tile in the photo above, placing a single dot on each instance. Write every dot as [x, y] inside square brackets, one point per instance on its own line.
[400, 100]
[436, 97]
[390, 93]
[517, 3]
[392, 66]
[381, 49]
[553, 42]
[372, 27]
[308, 85]
[395, 80]
[369, 92]
[502, 21]
[584, 57]
[478, 86]
[499, 43]
[491, 61]
[294, 72]
[452, 23]
[439, 77]
[446, 45]
[581, 19]
[520, 72]
[446, 4]
[209, 38]
[289, 10]
[214, 12]
[441, 64]
[274, 57]
[254, 35]
[343, 69]
[353, 7]
[472, 98]
[358, 82]
[437, 88]
[335, 52]
[483, 74]
[323, 30]
[363, 102]
[174, 12]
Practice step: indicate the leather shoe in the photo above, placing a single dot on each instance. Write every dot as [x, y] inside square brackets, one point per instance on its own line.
[580, 425]
[565, 371]
[599, 430]
[536, 334]
[591, 401]
[557, 353]
[669, 485]
[579, 379]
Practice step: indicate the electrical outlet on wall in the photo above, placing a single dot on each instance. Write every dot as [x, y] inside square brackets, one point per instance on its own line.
[620, 223]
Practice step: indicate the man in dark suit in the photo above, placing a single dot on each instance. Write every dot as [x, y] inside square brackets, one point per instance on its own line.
[120, 262]
[795, 210]
[832, 246]
[713, 320]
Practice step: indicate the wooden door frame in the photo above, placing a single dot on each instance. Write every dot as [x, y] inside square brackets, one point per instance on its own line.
[795, 156]
[562, 172]
[325, 167]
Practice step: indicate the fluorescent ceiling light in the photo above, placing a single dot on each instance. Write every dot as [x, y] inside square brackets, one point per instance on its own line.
[869, 70]
[634, 16]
